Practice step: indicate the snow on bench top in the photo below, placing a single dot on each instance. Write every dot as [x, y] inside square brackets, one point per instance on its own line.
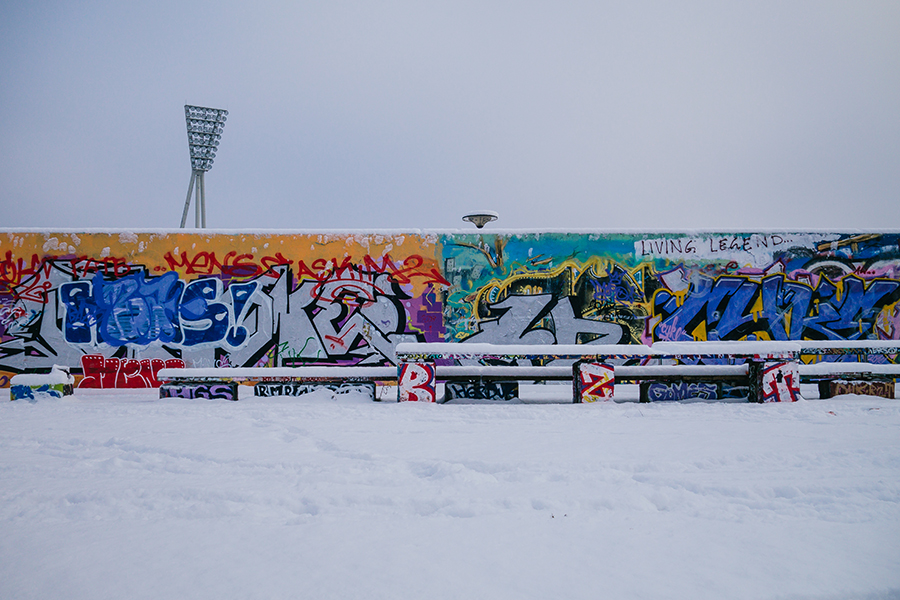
[807, 345]
[32, 379]
[675, 370]
[465, 349]
[350, 371]
[268, 372]
[56, 376]
[503, 370]
[716, 348]
[658, 349]
[447, 370]
[708, 348]
[836, 368]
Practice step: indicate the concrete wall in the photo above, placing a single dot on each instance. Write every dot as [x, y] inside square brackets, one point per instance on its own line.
[285, 298]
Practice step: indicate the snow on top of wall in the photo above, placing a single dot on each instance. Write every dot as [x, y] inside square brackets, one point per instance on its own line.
[130, 231]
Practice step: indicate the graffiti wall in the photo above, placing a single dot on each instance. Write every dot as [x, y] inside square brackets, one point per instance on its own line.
[214, 299]
[617, 288]
[282, 299]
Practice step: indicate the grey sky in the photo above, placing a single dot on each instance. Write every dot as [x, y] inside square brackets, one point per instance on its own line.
[397, 114]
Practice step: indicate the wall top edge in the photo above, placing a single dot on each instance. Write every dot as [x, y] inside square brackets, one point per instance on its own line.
[428, 232]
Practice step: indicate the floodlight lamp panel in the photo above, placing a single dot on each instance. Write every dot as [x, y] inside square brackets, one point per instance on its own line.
[204, 126]
[201, 164]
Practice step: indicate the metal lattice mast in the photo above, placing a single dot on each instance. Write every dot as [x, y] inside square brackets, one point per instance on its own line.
[204, 130]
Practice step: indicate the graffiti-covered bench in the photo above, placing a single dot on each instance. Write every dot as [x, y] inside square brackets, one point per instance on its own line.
[865, 367]
[491, 371]
[493, 382]
[30, 386]
[687, 381]
[278, 381]
[760, 371]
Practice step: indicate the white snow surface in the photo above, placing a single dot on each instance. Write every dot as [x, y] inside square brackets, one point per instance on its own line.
[832, 368]
[118, 494]
[658, 349]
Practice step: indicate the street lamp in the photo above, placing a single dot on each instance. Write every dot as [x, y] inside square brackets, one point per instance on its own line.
[204, 130]
[481, 218]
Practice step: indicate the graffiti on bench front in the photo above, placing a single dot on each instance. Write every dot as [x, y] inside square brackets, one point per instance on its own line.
[481, 390]
[885, 389]
[292, 388]
[208, 391]
[673, 391]
[658, 391]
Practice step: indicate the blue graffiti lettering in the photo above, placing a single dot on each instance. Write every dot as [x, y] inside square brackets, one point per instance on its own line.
[137, 310]
[81, 312]
[731, 308]
[681, 390]
[204, 319]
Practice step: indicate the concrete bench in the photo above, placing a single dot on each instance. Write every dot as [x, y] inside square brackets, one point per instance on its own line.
[269, 381]
[834, 374]
[857, 376]
[687, 382]
[771, 368]
[462, 367]
[766, 370]
[761, 371]
[493, 382]
[31, 386]
[296, 381]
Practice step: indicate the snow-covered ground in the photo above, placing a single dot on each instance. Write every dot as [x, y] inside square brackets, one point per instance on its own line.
[123, 495]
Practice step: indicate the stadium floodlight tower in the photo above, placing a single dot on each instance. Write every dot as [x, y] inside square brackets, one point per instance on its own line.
[204, 130]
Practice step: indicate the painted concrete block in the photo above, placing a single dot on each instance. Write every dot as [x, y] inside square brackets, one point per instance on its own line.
[416, 382]
[779, 382]
[31, 386]
[594, 382]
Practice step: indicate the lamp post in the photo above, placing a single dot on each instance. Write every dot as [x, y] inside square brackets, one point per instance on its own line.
[481, 218]
[204, 130]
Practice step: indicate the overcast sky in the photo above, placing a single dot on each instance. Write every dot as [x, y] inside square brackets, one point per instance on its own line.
[396, 114]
